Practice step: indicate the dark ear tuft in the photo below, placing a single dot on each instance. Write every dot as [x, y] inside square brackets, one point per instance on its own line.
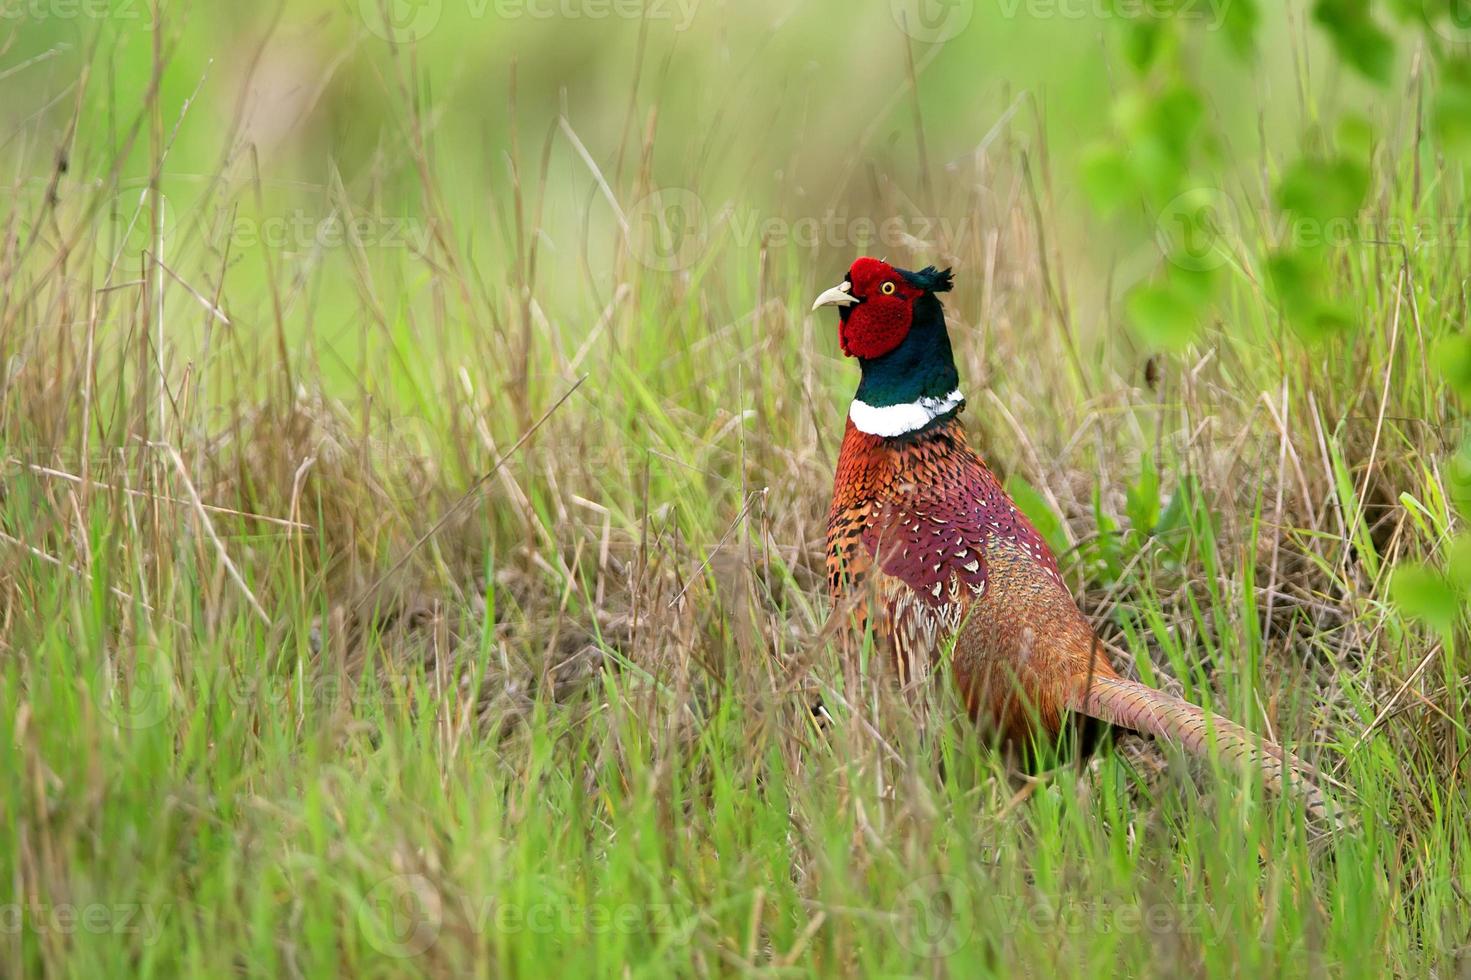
[931, 280]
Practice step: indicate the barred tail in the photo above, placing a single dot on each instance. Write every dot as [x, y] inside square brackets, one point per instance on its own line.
[1131, 705]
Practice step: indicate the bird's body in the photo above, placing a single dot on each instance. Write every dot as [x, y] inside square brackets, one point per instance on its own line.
[923, 539]
[920, 520]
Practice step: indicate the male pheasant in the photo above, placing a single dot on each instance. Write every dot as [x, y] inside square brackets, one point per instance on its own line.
[920, 525]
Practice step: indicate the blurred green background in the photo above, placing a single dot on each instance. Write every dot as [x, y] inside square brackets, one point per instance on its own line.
[280, 284]
[789, 123]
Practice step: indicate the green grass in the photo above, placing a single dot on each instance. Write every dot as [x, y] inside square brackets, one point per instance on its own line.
[310, 666]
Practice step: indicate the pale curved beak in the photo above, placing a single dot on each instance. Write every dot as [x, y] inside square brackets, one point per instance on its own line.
[837, 296]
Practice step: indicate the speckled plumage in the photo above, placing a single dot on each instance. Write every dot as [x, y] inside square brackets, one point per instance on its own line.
[921, 536]
[924, 523]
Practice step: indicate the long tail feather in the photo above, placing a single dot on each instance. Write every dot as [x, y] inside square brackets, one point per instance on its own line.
[1131, 705]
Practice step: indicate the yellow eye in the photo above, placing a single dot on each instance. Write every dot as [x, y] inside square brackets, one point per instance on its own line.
[887, 289]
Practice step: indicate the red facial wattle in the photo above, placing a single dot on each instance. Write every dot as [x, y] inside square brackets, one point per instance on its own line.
[880, 320]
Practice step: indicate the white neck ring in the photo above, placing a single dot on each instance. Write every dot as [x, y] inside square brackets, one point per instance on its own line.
[898, 420]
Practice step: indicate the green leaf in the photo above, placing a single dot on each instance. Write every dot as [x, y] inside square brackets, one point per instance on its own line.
[1163, 316]
[1107, 179]
[1035, 507]
[1106, 545]
[1199, 229]
[1458, 562]
[1141, 500]
[1357, 39]
[1322, 189]
[1300, 285]
[1195, 286]
[1424, 594]
[1161, 131]
[1458, 479]
[1143, 43]
[1239, 18]
[1294, 281]
[1453, 357]
[1451, 115]
[1178, 111]
[1356, 136]
[1175, 520]
[1327, 319]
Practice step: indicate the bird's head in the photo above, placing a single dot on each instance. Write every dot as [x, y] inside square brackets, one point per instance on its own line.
[879, 304]
[892, 322]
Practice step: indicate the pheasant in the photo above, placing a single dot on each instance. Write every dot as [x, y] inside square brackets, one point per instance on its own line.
[921, 525]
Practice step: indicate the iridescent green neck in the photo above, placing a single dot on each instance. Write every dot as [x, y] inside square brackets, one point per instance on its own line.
[922, 366]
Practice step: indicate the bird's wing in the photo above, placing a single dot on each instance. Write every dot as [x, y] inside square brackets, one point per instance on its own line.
[941, 531]
[932, 542]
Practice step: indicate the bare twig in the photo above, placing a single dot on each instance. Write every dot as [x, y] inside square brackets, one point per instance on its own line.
[465, 498]
[209, 529]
